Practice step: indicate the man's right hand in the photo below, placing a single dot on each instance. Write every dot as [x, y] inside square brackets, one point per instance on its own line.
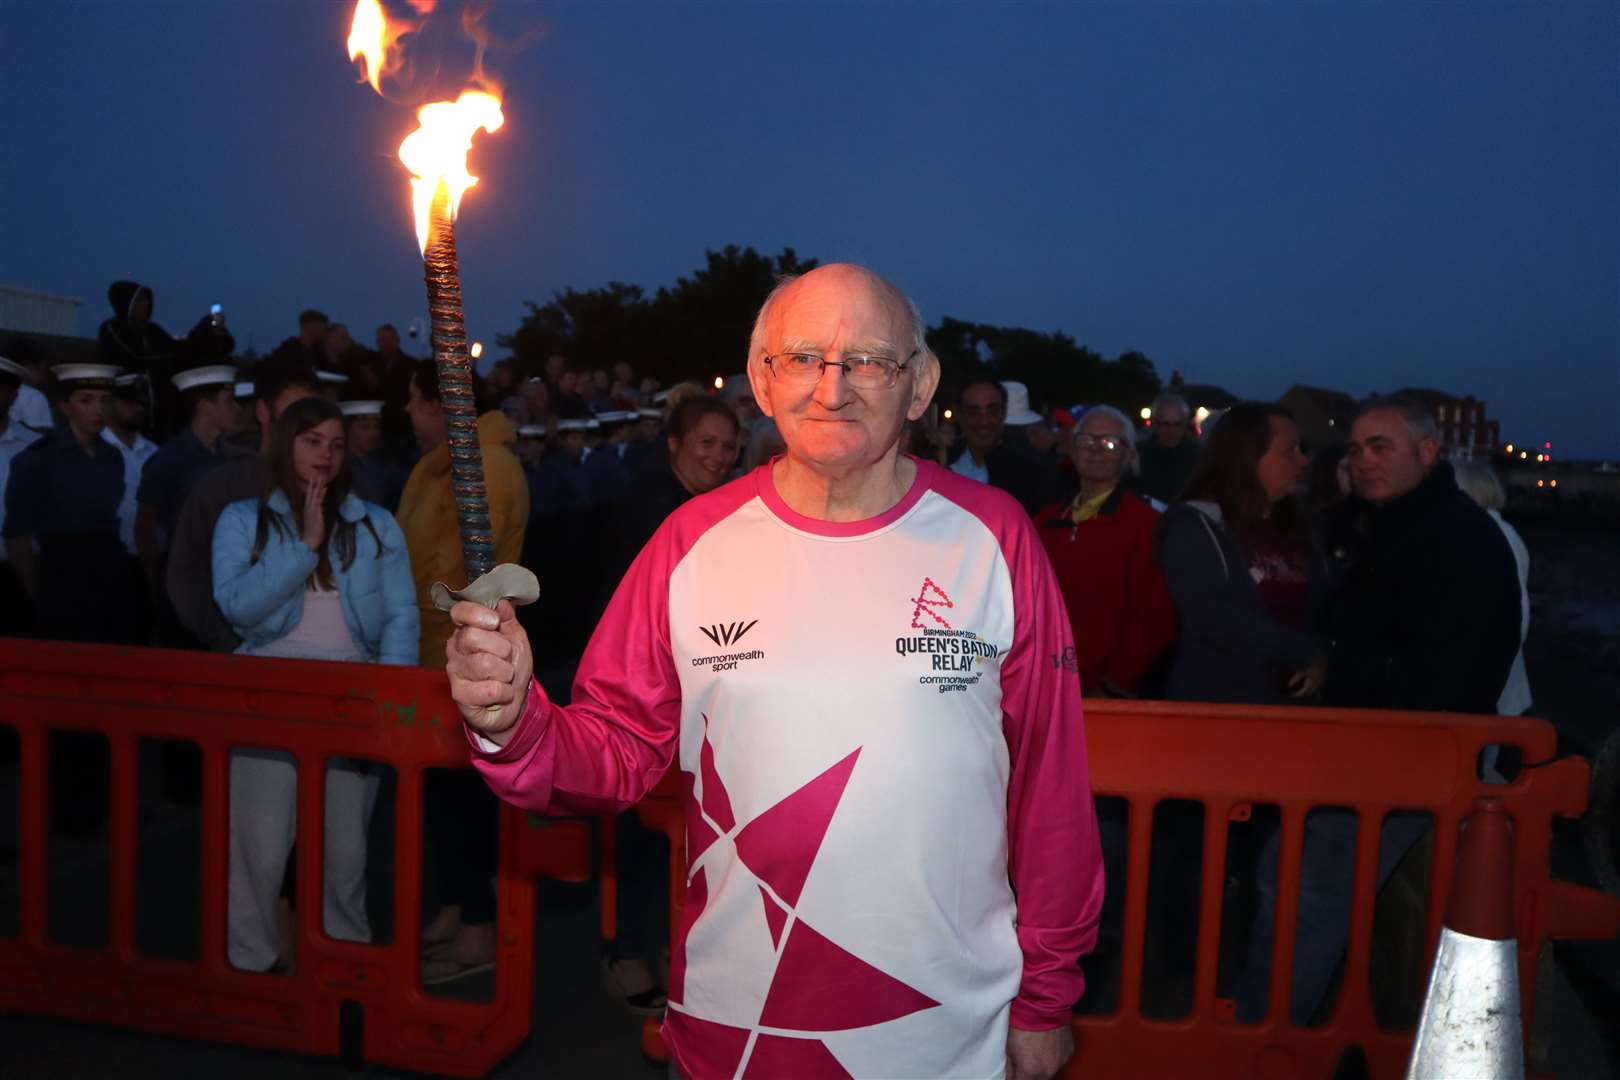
[490, 666]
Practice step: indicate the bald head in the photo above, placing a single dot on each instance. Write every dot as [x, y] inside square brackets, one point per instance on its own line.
[833, 313]
[881, 298]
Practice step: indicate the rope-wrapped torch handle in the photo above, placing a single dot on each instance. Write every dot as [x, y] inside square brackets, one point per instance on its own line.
[456, 391]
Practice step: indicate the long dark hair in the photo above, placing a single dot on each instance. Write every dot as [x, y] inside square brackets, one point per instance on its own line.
[297, 418]
[1228, 473]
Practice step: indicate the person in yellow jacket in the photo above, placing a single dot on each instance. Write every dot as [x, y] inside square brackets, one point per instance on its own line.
[462, 816]
[427, 508]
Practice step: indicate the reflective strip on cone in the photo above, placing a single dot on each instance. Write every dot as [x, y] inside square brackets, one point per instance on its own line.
[1470, 1026]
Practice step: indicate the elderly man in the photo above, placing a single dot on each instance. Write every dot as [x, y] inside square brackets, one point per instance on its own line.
[1170, 452]
[856, 658]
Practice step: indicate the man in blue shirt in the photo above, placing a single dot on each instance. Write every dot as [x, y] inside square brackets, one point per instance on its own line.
[61, 524]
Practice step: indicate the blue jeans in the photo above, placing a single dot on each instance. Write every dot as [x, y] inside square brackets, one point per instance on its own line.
[1326, 881]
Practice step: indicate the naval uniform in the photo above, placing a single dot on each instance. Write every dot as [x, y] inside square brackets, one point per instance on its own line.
[66, 498]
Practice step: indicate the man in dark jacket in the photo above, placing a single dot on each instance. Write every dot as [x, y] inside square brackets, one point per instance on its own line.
[308, 348]
[1169, 453]
[993, 455]
[1427, 617]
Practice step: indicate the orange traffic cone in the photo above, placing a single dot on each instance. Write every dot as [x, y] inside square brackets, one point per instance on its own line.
[1470, 1025]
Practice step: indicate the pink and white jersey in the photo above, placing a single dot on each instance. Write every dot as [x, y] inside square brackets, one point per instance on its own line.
[892, 849]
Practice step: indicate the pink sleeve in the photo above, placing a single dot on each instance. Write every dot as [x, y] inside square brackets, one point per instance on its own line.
[613, 743]
[1054, 858]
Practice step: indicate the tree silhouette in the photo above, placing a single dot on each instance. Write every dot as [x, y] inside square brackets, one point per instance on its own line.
[698, 328]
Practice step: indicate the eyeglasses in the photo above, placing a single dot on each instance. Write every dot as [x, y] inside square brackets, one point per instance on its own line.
[1107, 444]
[865, 372]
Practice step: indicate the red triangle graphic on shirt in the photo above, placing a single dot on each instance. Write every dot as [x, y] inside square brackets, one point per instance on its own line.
[821, 986]
[803, 1059]
[704, 1047]
[699, 833]
[780, 845]
[775, 917]
[928, 586]
[716, 803]
[697, 898]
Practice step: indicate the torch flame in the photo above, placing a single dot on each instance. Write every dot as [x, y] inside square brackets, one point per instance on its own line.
[436, 152]
[369, 39]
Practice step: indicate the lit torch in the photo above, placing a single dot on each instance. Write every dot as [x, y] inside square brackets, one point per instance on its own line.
[436, 155]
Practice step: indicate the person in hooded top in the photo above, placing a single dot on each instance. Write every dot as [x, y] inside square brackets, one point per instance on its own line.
[131, 341]
[1242, 570]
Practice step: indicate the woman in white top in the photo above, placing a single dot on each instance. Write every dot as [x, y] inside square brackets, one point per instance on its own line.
[307, 571]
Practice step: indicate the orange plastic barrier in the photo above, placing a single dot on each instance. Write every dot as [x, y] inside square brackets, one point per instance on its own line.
[1230, 759]
[401, 717]
[1227, 759]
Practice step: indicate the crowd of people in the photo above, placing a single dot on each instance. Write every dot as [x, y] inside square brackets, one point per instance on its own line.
[302, 507]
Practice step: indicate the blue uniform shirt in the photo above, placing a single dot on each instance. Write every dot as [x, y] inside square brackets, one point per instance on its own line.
[171, 473]
[56, 488]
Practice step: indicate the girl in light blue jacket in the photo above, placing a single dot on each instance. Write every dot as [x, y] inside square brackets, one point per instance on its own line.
[307, 571]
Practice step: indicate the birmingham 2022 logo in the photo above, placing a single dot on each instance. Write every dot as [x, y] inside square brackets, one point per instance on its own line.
[956, 658]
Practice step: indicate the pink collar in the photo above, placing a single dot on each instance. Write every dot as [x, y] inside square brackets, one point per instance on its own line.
[768, 494]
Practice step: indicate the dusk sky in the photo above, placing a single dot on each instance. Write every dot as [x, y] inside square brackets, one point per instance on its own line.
[1346, 195]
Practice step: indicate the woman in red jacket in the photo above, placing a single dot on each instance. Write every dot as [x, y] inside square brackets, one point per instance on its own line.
[1101, 546]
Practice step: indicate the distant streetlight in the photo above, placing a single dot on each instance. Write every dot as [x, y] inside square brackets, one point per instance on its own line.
[1510, 448]
[719, 383]
[1523, 454]
[1541, 483]
[947, 414]
[1201, 415]
[1147, 413]
[477, 349]
[1554, 483]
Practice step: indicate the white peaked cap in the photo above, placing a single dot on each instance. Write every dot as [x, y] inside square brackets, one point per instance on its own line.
[99, 373]
[213, 375]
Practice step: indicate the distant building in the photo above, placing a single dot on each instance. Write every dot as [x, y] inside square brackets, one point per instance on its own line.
[1465, 433]
[27, 311]
[1323, 416]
